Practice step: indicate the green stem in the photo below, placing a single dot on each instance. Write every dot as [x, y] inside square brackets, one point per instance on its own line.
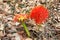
[26, 29]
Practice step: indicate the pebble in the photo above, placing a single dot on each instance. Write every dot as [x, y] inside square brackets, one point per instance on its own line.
[28, 39]
[17, 23]
[1, 1]
[17, 37]
[2, 27]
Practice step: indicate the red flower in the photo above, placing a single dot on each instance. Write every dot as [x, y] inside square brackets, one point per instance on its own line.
[39, 14]
[20, 17]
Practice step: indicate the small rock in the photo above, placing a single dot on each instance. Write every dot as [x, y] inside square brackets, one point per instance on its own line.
[28, 39]
[17, 37]
[17, 23]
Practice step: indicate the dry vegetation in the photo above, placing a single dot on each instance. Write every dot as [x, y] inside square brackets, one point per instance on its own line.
[50, 30]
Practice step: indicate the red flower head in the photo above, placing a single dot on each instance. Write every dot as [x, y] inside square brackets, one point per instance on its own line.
[20, 17]
[39, 14]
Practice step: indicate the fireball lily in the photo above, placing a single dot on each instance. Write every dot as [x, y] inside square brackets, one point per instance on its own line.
[22, 17]
[39, 14]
